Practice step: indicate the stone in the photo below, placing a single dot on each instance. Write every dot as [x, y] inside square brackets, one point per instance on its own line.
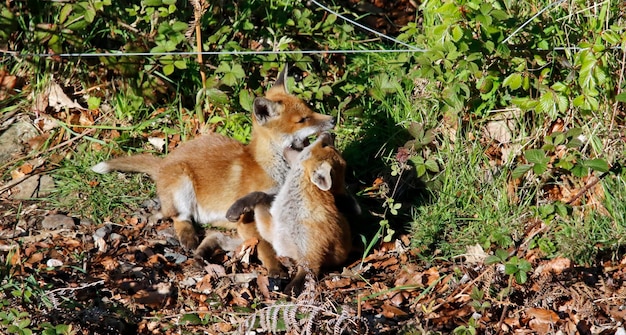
[57, 221]
[13, 139]
[37, 186]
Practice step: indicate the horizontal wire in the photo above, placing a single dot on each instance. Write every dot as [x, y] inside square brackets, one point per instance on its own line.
[365, 28]
[245, 53]
[213, 53]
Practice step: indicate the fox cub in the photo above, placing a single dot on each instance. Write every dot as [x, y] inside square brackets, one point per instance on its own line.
[198, 181]
[305, 221]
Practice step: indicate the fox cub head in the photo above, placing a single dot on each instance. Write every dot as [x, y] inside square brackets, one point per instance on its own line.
[285, 119]
[321, 163]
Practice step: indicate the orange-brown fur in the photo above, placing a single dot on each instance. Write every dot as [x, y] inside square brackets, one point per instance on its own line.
[303, 222]
[199, 180]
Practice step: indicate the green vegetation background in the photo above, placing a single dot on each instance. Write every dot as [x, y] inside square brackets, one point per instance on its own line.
[486, 137]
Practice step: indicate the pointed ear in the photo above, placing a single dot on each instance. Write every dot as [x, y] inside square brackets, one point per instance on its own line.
[264, 109]
[321, 177]
[281, 81]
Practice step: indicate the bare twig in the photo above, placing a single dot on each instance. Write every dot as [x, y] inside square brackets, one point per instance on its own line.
[593, 183]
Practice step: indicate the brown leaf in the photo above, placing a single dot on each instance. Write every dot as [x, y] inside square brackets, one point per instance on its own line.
[338, 282]
[543, 315]
[392, 311]
[555, 266]
[155, 296]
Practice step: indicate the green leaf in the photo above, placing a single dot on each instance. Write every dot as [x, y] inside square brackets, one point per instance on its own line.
[597, 165]
[539, 168]
[180, 64]
[579, 170]
[521, 277]
[416, 130]
[168, 69]
[514, 81]
[520, 170]
[93, 102]
[510, 268]
[621, 97]
[65, 12]
[238, 72]
[90, 14]
[524, 103]
[559, 87]
[492, 259]
[457, 33]
[193, 319]
[246, 100]
[151, 3]
[524, 265]
[536, 156]
[432, 166]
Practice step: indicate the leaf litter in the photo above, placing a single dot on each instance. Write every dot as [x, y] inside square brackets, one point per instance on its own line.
[134, 278]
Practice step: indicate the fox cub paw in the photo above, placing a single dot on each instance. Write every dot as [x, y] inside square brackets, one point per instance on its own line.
[186, 234]
[246, 204]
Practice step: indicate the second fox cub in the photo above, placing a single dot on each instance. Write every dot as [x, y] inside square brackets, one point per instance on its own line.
[304, 221]
[199, 181]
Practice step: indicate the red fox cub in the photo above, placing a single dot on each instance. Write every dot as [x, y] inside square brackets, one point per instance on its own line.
[305, 221]
[198, 181]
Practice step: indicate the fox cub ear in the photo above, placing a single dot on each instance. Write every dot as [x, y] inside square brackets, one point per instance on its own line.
[264, 109]
[281, 81]
[321, 177]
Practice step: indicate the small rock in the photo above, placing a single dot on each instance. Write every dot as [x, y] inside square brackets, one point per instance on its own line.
[12, 140]
[54, 263]
[175, 257]
[102, 231]
[57, 221]
[115, 236]
[33, 187]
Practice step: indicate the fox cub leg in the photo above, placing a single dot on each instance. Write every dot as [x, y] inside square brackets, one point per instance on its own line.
[243, 211]
[186, 233]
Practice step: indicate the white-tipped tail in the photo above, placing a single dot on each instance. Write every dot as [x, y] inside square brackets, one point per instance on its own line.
[101, 168]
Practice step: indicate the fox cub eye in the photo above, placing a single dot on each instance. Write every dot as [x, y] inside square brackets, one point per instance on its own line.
[303, 120]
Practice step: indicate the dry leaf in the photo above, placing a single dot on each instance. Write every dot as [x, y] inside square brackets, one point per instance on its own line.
[542, 315]
[475, 254]
[555, 266]
[392, 311]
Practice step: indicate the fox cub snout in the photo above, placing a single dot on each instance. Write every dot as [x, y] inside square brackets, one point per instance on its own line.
[303, 221]
[198, 181]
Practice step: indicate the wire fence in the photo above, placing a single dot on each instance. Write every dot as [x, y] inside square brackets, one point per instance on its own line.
[411, 48]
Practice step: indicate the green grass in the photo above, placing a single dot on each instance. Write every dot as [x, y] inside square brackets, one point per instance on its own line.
[456, 197]
[86, 194]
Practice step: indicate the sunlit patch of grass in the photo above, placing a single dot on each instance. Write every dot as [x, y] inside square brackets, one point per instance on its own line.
[472, 206]
[85, 193]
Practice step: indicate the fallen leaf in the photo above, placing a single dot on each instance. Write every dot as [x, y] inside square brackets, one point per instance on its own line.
[555, 266]
[542, 315]
[474, 254]
[392, 311]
